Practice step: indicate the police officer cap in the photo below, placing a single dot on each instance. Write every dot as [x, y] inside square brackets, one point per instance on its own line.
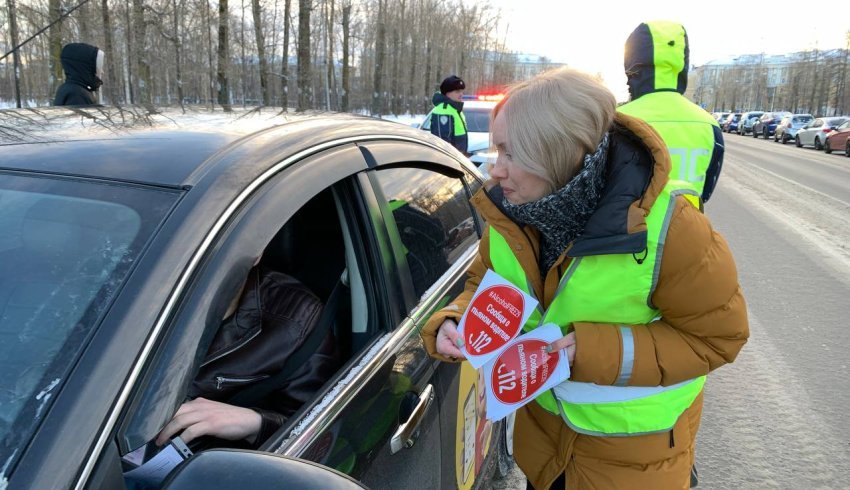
[451, 84]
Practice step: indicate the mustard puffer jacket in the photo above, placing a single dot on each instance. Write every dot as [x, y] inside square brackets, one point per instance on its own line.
[703, 325]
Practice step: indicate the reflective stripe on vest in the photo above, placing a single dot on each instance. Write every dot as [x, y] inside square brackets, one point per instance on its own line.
[445, 109]
[686, 129]
[612, 288]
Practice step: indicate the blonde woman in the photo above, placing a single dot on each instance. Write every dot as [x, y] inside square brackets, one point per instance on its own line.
[582, 215]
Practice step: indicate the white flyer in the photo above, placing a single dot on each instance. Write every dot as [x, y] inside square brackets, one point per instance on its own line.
[495, 316]
[523, 370]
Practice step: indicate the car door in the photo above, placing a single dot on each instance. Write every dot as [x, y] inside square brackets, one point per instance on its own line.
[382, 424]
[807, 132]
[427, 195]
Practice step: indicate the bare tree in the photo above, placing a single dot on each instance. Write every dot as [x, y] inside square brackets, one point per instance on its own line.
[346, 69]
[305, 79]
[13, 28]
[223, 54]
[284, 68]
[261, 51]
[380, 50]
[54, 35]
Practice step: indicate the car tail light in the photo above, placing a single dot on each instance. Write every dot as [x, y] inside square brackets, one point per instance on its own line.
[826, 130]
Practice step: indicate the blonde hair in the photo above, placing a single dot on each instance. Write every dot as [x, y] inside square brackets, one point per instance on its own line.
[553, 120]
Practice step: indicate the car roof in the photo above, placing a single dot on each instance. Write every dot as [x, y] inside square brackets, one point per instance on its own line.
[166, 147]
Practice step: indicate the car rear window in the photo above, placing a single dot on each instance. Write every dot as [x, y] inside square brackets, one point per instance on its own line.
[802, 119]
[66, 247]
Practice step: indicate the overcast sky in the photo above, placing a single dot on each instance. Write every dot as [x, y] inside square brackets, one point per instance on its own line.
[590, 34]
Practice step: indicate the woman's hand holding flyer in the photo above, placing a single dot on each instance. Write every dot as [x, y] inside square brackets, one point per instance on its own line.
[517, 368]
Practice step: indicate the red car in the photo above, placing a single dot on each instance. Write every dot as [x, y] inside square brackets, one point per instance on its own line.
[838, 139]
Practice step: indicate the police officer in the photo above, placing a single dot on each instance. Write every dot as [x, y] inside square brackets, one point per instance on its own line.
[447, 120]
[656, 63]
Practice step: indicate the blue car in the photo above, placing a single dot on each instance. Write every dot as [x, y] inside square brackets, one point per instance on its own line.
[748, 120]
[767, 123]
[732, 123]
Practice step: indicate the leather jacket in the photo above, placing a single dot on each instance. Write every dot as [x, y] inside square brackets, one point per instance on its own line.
[276, 313]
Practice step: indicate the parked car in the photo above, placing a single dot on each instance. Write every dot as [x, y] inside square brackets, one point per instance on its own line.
[722, 117]
[787, 129]
[766, 125]
[125, 234]
[838, 139]
[731, 123]
[814, 133]
[748, 119]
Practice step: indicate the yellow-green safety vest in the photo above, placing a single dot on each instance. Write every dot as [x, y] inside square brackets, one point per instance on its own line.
[612, 288]
[445, 109]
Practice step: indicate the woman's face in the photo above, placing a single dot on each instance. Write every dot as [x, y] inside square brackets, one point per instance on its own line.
[519, 186]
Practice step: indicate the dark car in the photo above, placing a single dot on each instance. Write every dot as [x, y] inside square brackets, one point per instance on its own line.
[766, 125]
[748, 120]
[838, 139]
[126, 232]
[731, 123]
[788, 127]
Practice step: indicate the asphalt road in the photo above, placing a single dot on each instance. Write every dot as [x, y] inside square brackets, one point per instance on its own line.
[779, 417]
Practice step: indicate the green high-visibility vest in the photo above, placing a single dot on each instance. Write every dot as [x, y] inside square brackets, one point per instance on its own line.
[686, 129]
[612, 288]
[446, 109]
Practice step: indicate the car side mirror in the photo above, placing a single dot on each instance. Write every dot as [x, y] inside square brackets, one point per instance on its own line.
[220, 469]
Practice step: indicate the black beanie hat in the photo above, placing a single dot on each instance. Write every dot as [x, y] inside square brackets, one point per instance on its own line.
[451, 84]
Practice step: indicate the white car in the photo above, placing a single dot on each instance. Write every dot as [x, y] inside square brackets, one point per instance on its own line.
[814, 133]
[477, 115]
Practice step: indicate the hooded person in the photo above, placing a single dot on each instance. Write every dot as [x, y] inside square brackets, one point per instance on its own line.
[656, 63]
[83, 66]
[447, 119]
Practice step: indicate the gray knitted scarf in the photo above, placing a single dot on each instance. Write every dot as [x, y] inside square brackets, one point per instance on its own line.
[561, 216]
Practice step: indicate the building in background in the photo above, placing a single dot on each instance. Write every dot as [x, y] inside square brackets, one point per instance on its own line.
[808, 81]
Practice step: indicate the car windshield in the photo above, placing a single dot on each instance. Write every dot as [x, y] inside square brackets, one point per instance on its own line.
[477, 120]
[66, 247]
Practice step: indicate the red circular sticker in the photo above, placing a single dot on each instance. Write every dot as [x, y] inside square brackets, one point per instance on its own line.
[519, 372]
[493, 319]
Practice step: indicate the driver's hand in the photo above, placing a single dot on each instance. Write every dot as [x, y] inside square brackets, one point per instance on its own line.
[201, 417]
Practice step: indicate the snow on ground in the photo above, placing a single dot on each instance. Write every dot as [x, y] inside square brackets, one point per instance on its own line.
[406, 119]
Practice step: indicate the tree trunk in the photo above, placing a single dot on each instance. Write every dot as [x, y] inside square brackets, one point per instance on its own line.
[261, 51]
[129, 93]
[346, 35]
[16, 60]
[54, 40]
[331, 73]
[305, 79]
[140, 55]
[284, 68]
[223, 54]
[379, 61]
[394, 95]
[177, 40]
[110, 86]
